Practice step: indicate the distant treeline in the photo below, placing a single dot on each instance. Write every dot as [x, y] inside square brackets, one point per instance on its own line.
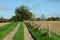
[34, 19]
[4, 20]
[48, 19]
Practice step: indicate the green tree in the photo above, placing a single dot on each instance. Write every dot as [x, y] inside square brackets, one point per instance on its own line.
[23, 13]
[53, 19]
[14, 18]
[38, 19]
[57, 18]
[50, 18]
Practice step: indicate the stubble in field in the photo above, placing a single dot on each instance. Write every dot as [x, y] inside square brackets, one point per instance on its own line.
[54, 25]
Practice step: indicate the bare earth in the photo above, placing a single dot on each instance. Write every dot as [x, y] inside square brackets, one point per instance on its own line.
[1, 24]
[11, 35]
[27, 35]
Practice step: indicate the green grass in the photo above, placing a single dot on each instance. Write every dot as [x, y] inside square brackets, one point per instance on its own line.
[41, 35]
[20, 33]
[6, 29]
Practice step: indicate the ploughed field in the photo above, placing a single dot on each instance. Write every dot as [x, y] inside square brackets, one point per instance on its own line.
[54, 25]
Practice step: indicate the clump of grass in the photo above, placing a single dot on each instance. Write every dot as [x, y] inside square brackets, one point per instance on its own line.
[20, 33]
[41, 35]
[6, 29]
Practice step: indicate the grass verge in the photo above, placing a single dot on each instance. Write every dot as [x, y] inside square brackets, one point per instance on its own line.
[6, 29]
[20, 33]
[41, 35]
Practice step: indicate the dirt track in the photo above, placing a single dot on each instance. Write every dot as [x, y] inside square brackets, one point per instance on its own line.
[27, 35]
[11, 35]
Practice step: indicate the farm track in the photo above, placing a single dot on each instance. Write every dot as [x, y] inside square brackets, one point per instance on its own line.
[11, 35]
[27, 35]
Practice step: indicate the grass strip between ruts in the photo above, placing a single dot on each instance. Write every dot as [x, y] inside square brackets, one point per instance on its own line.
[20, 33]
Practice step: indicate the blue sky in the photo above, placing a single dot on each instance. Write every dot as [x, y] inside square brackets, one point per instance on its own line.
[37, 7]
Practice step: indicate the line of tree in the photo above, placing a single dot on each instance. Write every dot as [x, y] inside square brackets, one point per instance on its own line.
[53, 19]
[43, 18]
[3, 20]
[48, 19]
